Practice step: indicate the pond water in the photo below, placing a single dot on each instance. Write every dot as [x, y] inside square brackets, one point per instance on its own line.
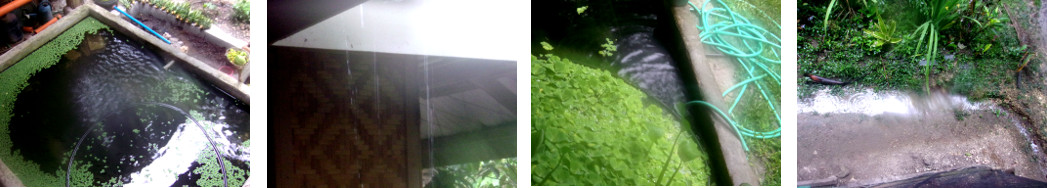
[642, 32]
[131, 118]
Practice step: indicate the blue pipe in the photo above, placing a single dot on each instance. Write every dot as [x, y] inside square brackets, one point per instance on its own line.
[143, 25]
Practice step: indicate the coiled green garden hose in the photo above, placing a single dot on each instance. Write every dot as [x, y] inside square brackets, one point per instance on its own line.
[736, 36]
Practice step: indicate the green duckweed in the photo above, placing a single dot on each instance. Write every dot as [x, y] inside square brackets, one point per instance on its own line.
[15, 78]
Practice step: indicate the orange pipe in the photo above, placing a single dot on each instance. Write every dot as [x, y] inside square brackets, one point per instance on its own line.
[53, 20]
[12, 6]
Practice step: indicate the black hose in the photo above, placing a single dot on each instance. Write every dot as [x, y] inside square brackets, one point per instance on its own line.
[70, 168]
[225, 176]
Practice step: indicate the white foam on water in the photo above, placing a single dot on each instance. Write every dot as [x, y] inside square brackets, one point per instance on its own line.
[184, 147]
[872, 103]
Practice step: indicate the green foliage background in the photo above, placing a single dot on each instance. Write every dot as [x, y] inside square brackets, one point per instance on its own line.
[975, 60]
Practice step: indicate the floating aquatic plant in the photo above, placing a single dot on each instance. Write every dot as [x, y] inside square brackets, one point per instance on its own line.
[176, 90]
[608, 48]
[242, 10]
[211, 173]
[14, 79]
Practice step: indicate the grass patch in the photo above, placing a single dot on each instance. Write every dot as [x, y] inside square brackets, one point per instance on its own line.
[756, 115]
[974, 64]
[592, 128]
[14, 79]
[211, 172]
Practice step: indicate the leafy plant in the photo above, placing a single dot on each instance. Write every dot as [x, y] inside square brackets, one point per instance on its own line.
[608, 48]
[236, 57]
[885, 32]
[546, 46]
[939, 15]
[828, 11]
[242, 11]
[210, 171]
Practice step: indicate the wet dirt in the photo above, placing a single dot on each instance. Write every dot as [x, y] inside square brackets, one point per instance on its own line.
[855, 148]
[221, 11]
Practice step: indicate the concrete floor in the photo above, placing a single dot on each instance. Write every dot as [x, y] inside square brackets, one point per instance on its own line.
[716, 73]
[852, 143]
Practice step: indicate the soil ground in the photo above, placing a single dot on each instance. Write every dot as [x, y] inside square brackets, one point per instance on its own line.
[221, 11]
[863, 150]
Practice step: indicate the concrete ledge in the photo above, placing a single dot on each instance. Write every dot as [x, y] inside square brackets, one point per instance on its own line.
[714, 75]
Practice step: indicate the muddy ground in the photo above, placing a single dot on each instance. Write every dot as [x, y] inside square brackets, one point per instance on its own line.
[860, 150]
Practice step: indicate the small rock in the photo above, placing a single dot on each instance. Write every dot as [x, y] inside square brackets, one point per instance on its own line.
[185, 49]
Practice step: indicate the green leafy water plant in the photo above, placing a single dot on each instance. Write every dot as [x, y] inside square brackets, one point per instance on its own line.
[14, 79]
[81, 176]
[211, 173]
[885, 32]
[870, 6]
[987, 19]
[176, 90]
[591, 128]
[983, 64]
[608, 48]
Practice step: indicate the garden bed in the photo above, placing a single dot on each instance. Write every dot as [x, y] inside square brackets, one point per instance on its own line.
[207, 41]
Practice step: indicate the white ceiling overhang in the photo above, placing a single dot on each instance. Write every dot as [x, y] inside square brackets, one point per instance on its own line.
[482, 29]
